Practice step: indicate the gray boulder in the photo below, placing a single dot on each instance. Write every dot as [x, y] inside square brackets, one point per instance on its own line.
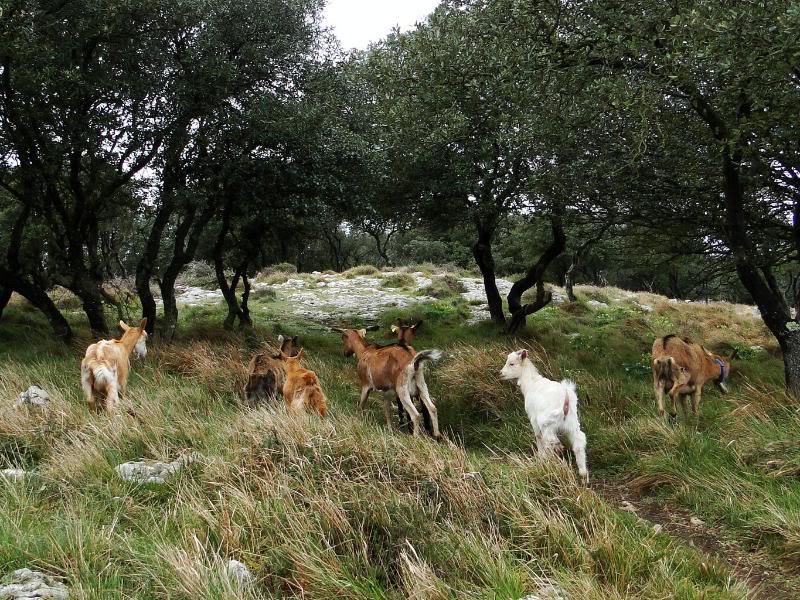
[33, 396]
[24, 584]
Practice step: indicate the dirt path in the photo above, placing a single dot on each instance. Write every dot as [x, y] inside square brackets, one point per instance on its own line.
[762, 574]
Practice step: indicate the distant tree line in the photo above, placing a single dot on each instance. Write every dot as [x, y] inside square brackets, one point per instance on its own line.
[645, 144]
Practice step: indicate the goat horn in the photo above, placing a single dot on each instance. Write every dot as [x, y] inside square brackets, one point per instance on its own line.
[337, 329]
[373, 328]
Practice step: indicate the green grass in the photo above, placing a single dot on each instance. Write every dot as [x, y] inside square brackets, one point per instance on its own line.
[344, 508]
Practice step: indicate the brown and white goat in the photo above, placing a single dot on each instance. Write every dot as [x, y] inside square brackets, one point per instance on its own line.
[681, 368]
[302, 390]
[405, 337]
[267, 372]
[395, 368]
[106, 365]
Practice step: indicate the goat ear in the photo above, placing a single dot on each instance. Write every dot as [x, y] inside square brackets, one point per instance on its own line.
[734, 355]
[280, 339]
[416, 325]
[362, 333]
[395, 328]
[124, 326]
[294, 340]
[143, 323]
[523, 354]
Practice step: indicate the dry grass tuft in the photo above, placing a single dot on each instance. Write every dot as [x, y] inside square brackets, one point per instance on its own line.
[220, 368]
[471, 374]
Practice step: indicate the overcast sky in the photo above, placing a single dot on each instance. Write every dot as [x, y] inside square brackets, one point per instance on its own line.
[358, 22]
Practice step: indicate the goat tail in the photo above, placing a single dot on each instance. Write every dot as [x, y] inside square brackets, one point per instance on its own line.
[663, 367]
[425, 356]
[104, 375]
[570, 398]
[316, 400]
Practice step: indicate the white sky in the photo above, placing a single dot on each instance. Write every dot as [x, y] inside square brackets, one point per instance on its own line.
[358, 22]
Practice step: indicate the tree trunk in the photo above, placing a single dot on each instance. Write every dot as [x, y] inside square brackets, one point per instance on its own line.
[534, 276]
[568, 278]
[482, 251]
[759, 281]
[145, 268]
[93, 307]
[39, 298]
[790, 345]
[5, 296]
[170, 317]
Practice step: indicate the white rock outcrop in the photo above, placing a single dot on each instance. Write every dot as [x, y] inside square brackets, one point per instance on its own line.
[154, 471]
[238, 573]
[33, 396]
[13, 475]
[26, 584]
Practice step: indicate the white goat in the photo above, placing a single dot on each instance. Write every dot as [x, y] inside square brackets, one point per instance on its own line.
[552, 408]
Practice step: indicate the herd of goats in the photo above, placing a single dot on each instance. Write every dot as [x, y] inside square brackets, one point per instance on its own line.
[680, 369]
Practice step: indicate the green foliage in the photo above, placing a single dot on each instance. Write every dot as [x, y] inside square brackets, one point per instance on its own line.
[361, 270]
[398, 280]
[444, 286]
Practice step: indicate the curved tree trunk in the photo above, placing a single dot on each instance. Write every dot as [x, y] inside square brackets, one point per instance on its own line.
[759, 281]
[39, 298]
[482, 251]
[5, 296]
[569, 278]
[534, 276]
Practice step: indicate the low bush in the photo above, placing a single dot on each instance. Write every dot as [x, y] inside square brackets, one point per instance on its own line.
[361, 270]
[399, 280]
[445, 286]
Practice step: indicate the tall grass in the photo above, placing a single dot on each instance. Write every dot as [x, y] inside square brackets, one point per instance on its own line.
[346, 508]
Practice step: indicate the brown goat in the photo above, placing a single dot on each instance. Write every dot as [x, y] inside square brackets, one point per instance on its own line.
[681, 368]
[105, 367]
[405, 337]
[267, 372]
[405, 333]
[302, 390]
[395, 368]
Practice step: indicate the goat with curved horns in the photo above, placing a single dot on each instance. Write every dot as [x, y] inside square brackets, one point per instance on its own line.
[105, 367]
[392, 368]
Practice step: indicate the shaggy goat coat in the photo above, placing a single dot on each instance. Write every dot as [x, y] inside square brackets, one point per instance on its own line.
[552, 408]
[105, 367]
[302, 390]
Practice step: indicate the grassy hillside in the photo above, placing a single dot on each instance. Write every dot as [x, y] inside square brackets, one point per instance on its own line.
[344, 508]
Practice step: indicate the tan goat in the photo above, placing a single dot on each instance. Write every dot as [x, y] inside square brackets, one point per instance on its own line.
[302, 390]
[681, 368]
[105, 367]
[395, 368]
[267, 372]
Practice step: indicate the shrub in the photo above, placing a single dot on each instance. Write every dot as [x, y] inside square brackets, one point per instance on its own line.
[446, 286]
[263, 294]
[276, 278]
[440, 311]
[199, 273]
[284, 267]
[64, 299]
[361, 270]
[399, 280]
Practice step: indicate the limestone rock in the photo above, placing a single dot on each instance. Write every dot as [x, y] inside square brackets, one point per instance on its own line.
[13, 475]
[153, 471]
[26, 584]
[238, 573]
[33, 396]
